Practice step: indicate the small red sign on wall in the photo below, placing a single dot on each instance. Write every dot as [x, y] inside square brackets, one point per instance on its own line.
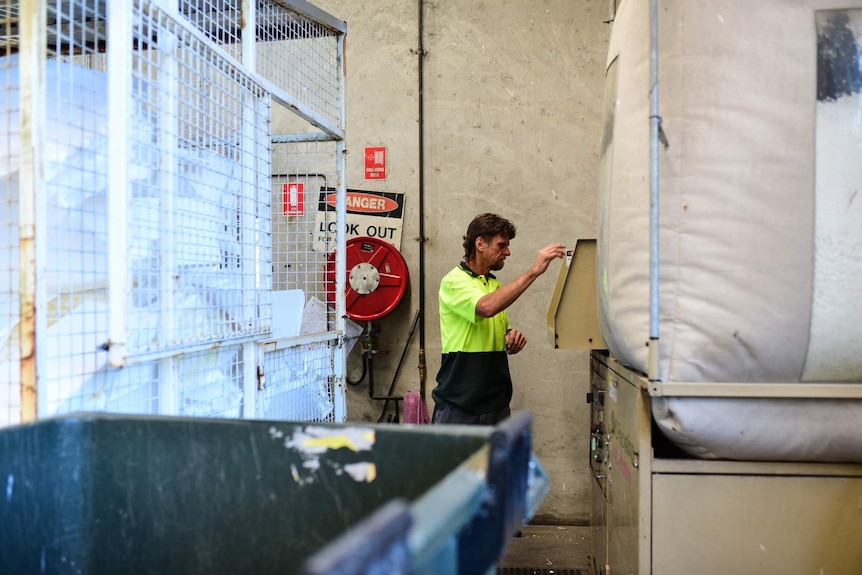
[375, 163]
[294, 199]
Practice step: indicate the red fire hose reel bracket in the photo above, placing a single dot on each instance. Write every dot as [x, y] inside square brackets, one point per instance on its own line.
[377, 278]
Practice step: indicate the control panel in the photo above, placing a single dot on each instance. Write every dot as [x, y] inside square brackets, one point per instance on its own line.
[599, 437]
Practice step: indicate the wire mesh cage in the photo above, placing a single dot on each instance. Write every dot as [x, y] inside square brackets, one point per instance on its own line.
[303, 225]
[295, 49]
[137, 210]
[197, 159]
[301, 387]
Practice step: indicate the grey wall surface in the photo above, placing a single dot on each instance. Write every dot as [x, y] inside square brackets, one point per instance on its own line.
[512, 108]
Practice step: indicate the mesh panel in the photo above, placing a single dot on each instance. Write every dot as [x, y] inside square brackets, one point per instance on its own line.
[209, 384]
[200, 151]
[70, 223]
[220, 20]
[133, 389]
[299, 384]
[10, 400]
[298, 55]
[306, 67]
[304, 177]
[197, 251]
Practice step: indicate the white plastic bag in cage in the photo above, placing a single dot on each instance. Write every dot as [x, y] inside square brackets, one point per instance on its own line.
[203, 212]
[314, 317]
[75, 150]
[74, 158]
[195, 316]
[68, 132]
[352, 332]
[131, 389]
[210, 383]
[10, 352]
[76, 375]
[305, 403]
[299, 387]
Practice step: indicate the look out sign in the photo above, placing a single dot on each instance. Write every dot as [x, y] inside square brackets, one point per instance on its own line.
[374, 214]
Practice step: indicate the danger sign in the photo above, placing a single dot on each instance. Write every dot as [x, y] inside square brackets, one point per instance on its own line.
[372, 214]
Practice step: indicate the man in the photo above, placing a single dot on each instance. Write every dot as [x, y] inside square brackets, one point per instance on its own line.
[473, 384]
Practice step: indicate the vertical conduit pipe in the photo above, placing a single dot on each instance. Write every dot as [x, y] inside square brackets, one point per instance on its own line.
[421, 90]
[655, 127]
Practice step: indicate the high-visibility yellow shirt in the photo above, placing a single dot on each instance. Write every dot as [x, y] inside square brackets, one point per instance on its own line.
[474, 372]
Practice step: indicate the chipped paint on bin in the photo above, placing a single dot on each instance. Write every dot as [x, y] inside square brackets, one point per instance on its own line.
[314, 442]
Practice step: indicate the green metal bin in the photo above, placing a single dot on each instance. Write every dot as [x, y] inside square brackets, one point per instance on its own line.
[127, 494]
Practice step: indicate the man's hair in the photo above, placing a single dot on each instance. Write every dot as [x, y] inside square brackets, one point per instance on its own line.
[486, 226]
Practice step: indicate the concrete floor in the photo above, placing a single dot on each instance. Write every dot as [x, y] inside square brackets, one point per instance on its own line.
[546, 549]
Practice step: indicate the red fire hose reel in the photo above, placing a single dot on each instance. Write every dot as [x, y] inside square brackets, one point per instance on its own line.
[377, 278]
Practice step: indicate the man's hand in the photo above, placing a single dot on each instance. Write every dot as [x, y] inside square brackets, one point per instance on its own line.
[515, 341]
[546, 255]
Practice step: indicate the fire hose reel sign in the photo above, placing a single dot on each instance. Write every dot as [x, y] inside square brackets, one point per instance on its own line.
[294, 199]
[375, 163]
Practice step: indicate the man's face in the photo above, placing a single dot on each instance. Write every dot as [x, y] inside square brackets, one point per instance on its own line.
[495, 252]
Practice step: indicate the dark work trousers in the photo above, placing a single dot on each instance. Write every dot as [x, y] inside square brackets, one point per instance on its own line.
[450, 413]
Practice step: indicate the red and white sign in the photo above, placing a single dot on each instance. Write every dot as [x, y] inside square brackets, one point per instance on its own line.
[375, 163]
[366, 203]
[294, 199]
[372, 214]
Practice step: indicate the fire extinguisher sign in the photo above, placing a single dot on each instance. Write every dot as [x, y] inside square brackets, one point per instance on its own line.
[373, 214]
[294, 199]
[375, 163]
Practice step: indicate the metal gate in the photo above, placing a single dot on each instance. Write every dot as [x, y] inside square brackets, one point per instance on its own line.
[152, 259]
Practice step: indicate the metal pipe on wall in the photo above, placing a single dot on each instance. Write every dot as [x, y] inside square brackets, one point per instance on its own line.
[655, 128]
[421, 88]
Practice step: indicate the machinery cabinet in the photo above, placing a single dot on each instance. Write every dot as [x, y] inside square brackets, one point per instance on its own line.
[656, 511]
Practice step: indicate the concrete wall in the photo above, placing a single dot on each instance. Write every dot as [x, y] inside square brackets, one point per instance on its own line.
[512, 108]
